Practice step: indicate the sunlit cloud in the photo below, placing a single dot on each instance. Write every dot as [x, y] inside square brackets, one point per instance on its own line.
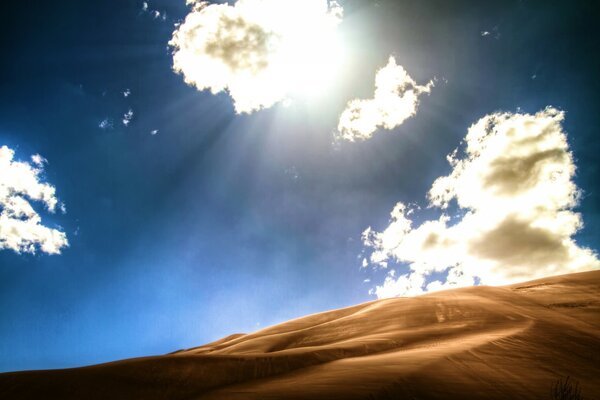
[154, 13]
[158, 15]
[395, 100]
[106, 123]
[127, 117]
[259, 51]
[38, 160]
[20, 225]
[515, 195]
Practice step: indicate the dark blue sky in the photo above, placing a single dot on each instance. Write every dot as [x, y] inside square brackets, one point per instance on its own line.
[222, 223]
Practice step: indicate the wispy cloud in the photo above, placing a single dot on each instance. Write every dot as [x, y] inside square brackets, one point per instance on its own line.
[20, 225]
[106, 123]
[493, 33]
[515, 195]
[259, 51]
[395, 100]
[156, 14]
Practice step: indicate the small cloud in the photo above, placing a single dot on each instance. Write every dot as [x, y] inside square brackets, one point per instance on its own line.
[127, 117]
[494, 33]
[38, 160]
[156, 14]
[396, 99]
[154, 132]
[127, 93]
[21, 229]
[105, 124]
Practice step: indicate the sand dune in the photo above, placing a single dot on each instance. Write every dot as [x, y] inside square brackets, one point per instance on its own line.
[472, 343]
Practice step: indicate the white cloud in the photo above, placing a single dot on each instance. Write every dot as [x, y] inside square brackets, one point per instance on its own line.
[127, 117]
[405, 285]
[126, 92]
[515, 192]
[38, 160]
[259, 51]
[154, 13]
[494, 33]
[395, 100]
[20, 225]
[106, 123]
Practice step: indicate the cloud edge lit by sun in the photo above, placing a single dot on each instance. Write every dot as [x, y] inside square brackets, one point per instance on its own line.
[259, 51]
[515, 196]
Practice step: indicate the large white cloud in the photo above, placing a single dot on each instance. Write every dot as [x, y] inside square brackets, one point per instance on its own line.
[260, 51]
[20, 225]
[395, 100]
[515, 194]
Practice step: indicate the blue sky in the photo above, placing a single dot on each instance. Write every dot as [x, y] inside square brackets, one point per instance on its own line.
[222, 223]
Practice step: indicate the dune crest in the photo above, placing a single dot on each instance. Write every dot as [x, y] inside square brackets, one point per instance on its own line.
[470, 343]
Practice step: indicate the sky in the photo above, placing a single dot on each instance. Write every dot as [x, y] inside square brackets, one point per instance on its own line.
[171, 174]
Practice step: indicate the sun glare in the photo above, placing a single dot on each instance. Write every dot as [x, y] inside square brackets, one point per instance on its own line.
[261, 51]
[310, 52]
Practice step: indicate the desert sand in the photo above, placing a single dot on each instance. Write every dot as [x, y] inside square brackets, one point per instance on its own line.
[471, 343]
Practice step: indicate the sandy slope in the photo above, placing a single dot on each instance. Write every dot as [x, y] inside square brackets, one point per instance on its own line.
[473, 343]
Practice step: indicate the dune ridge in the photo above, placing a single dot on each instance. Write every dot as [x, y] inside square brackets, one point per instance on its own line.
[471, 343]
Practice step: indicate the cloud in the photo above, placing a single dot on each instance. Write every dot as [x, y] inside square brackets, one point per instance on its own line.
[405, 285]
[494, 33]
[395, 100]
[515, 195]
[127, 117]
[155, 13]
[259, 51]
[106, 123]
[38, 160]
[20, 225]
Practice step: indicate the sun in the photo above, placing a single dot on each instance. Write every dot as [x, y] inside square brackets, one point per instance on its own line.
[261, 52]
[310, 51]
